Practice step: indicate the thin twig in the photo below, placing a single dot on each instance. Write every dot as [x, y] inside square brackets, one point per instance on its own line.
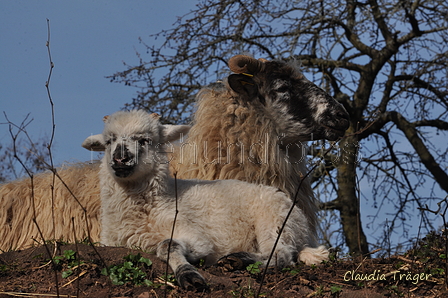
[77, 281]
[171, 237]
[77, 257]
[53, 128]
[47, 86]
[18, 294]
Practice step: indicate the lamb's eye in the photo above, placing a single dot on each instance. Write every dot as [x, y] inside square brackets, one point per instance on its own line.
[143, 142]
[110, 139]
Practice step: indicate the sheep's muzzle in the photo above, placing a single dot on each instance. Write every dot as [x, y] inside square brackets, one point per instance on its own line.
[123, 162]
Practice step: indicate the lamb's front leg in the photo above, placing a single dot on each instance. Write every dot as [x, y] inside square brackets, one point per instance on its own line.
[186, 274]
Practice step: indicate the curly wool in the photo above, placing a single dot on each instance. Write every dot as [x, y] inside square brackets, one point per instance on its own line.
[55, 205]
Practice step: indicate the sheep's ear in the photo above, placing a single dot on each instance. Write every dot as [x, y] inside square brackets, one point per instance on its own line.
[243, 84]
[173, 133]
[94, 143]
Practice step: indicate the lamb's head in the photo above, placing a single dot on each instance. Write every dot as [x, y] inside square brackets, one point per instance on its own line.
[302, 110]
[134, 143]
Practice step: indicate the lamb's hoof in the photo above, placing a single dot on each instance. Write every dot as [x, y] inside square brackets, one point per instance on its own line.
[235, 261]
[189, 278]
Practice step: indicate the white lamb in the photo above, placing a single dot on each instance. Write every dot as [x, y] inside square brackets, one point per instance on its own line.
[231, 221]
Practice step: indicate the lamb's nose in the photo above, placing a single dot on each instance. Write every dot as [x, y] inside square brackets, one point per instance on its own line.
[121, 155]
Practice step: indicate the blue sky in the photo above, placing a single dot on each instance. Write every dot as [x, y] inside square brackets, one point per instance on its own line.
[89, 41]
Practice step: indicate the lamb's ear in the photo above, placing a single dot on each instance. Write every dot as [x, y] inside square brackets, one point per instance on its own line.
[243, 84]
[94, 143]
[172, 133]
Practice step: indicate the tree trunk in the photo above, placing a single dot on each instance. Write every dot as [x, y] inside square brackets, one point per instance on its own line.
[348, 201]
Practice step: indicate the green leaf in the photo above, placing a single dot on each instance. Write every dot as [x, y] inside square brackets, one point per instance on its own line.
[129, 271]
[104, 271]
[57, 259]
[335, 289]
[67, 273]
[70, 254]
[254, 268]
[146, 261]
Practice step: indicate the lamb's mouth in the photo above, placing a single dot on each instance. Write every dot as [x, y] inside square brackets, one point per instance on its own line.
[122, 171]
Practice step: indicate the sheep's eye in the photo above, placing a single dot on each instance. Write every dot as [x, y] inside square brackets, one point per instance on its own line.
[282, 89]
[108, 142]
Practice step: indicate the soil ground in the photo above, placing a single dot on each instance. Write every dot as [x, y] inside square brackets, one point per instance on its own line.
[418, 273]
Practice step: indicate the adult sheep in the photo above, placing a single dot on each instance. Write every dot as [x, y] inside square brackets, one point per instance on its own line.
[55, 203]
[252, 126]
[212, 220]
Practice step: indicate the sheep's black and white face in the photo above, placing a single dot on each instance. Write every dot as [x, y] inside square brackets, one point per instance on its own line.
[302, 110]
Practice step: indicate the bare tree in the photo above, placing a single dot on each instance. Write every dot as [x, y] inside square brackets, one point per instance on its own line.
[32, 153]
[385, 61]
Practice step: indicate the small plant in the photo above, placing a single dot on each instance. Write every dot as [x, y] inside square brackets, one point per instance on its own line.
[332, 257]
[291, 271]
[319, 291]
[130, 271]
[399, 264]
[437, 271]
[68, 257]
[87, 241]
[38, 256]
[169, 278]
[3, 270]
[335, 289]
[247, 291]
[254, 268]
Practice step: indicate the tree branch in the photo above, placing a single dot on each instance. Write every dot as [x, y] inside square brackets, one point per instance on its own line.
[388, 87]
[309, 60]
[331, 205]
[349, 32]
[379, 19]
[419, 83]
[426, 157]
[442, 125]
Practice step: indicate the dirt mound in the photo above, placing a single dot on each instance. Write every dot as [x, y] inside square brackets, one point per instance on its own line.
[79, 272]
